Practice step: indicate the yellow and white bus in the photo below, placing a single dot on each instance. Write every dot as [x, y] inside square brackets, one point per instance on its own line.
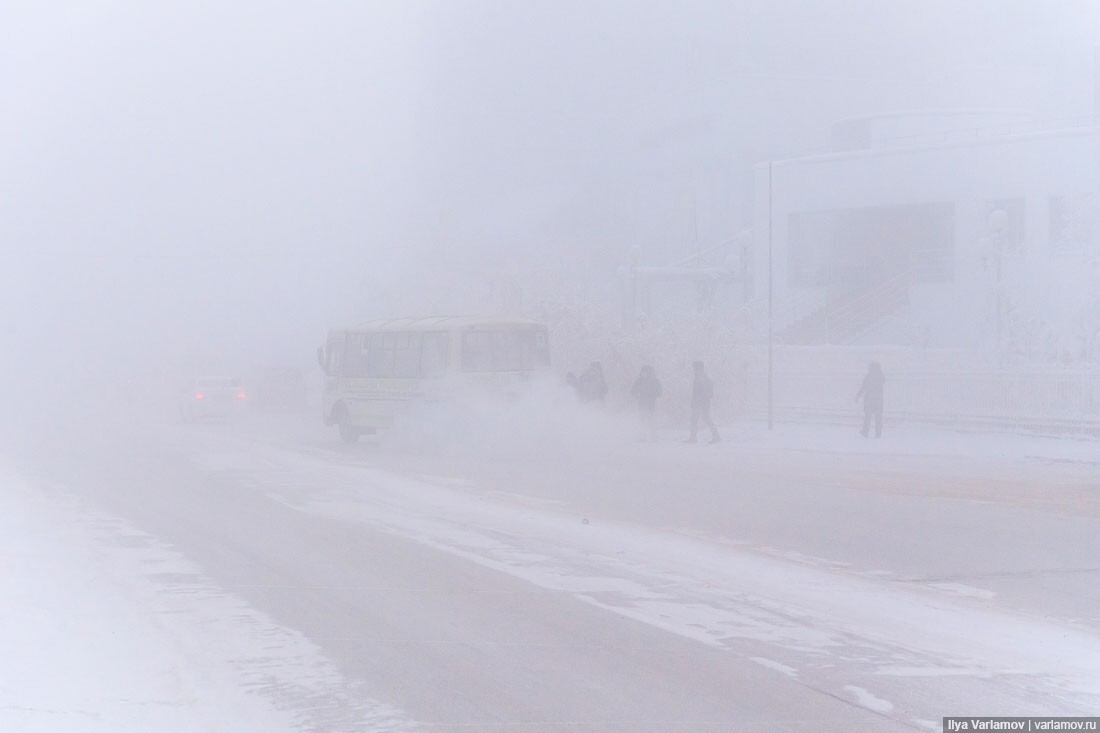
[378, 369]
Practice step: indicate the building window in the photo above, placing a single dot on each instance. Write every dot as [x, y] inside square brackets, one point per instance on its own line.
[1072, 223]
[862, 247]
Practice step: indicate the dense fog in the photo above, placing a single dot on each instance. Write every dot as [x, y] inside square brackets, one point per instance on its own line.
[546, 365]
[212, 186]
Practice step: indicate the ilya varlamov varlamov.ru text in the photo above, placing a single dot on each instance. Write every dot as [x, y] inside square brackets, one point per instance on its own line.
[1021, 724]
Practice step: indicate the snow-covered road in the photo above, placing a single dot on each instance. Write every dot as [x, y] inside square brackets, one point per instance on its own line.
[603, 586]
[106, 628]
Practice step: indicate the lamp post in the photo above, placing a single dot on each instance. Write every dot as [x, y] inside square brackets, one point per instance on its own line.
[997, 227]
[635, 253]
[771, 318]
[628, 274]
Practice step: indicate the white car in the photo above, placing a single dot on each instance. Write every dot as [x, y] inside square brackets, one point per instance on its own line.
[211, 398]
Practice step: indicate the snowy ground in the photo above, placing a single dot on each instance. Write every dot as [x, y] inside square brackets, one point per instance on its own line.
[107, 629]
[798, 579]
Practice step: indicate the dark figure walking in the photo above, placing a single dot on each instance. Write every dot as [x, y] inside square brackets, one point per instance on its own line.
[593, 387]
[573, 383]
[702, 392]
[646, 390]
[871, 391]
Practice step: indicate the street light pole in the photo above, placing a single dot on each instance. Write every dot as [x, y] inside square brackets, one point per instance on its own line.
[635, 253]
[771, 314]
[997, 228]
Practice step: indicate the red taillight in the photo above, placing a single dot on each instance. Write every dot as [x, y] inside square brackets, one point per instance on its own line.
[241, 395]
[199, 395]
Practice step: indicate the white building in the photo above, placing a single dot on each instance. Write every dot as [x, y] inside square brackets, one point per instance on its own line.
[939, 229]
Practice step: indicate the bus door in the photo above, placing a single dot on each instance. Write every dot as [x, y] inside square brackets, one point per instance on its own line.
[331, 356]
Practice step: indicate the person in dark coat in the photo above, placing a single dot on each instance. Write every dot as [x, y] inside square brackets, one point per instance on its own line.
[573, 383]
[702, 392]
[646, 390]
[872, 393]
[593, 386]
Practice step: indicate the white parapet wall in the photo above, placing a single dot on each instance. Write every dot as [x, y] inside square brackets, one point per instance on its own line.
[943, 386]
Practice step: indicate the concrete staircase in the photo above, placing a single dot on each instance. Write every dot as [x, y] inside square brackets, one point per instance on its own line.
[849, 313]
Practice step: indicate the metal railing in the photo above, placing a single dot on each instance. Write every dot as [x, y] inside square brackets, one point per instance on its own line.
[750, 322]
[845, 317]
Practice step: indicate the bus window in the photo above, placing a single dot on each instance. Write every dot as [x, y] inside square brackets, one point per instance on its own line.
[433, 355]
[540, 349]
[380, 355]
[355, 356]
[406, 355]
[500, 351]
[531, 350]
[477, 355]
[504, 351]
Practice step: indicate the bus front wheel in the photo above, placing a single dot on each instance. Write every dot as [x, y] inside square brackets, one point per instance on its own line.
[348, 432]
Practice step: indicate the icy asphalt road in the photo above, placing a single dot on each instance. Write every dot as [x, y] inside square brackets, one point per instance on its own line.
[632, 587]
